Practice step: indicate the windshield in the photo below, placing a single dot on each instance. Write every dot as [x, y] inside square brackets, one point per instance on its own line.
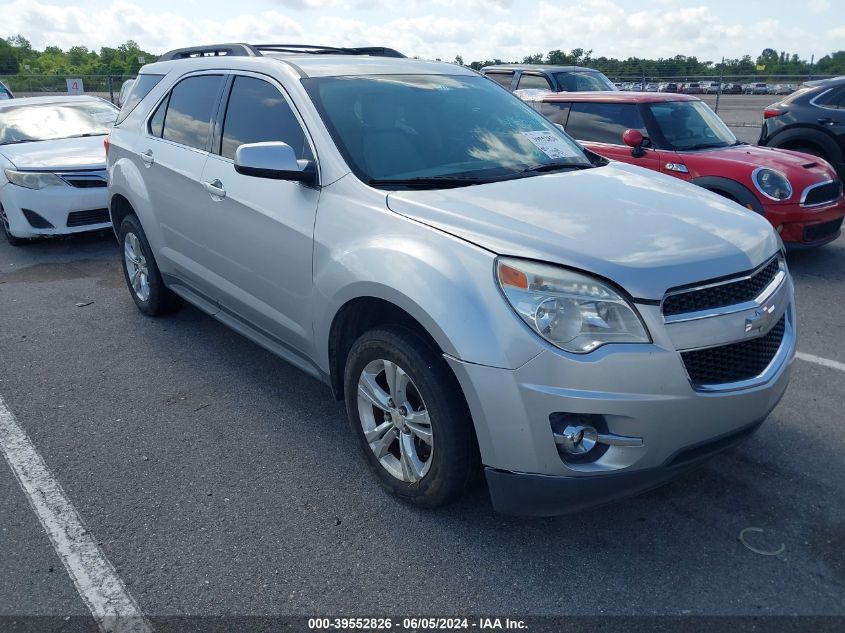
[393, 128]
[583, 81]
[691, 125]
[49, 121]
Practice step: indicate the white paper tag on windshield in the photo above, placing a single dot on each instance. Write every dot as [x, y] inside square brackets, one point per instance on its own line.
[551, 145]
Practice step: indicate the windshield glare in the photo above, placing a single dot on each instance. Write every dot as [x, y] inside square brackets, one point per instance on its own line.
[402, 127]
[50, 121]
[691, 124]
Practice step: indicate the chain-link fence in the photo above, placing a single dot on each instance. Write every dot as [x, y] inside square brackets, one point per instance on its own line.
[105, 86]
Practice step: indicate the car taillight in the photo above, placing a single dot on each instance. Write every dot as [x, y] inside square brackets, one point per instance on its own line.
[768, 113]
[107, 144]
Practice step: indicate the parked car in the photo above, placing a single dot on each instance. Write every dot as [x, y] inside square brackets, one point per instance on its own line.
[732, 89]
[313, 202]
[784, 89]
[5, 92]
[53, 166]
[124, 91]
[692, 88]
[709, 87]
[544, 77]
[669, 87]
[758, 88]
[681, 136]
[651, 87]
[811, 120]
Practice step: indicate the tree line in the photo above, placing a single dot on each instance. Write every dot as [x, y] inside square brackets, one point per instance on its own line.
[769, 63]
[18, 57]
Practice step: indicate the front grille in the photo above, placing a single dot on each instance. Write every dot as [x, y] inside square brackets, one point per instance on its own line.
[820, 194]
[725, 294]
[85, 179]
[35, 220]
[93, 216]
[734, 362]
[816, 232]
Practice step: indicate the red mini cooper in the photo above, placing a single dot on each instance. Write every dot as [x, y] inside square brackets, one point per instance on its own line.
[680, 135]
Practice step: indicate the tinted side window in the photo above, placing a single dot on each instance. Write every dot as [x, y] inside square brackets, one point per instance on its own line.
[556, 112]
[833, 99]
[189, 111]
[533, 81]
[157, 120]
[603, 122]
[140, 88]
[257, 112]
[503, 79]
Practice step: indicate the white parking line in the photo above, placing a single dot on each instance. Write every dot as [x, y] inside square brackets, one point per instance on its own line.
[818, 360]
[94, 576]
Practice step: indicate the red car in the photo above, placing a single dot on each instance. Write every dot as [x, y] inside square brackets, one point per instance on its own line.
[680, 135]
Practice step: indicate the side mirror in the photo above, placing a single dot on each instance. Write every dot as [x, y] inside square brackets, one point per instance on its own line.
[274, 160]
[635, 140]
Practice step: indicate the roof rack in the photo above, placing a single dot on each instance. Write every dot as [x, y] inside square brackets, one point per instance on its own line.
[254, 50]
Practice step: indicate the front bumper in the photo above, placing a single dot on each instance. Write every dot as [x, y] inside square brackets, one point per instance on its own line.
[638, 390]
[54, 205]
[807, 226]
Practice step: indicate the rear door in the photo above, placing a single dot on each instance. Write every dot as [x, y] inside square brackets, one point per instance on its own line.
[260, 247]
[600, 126]
[177, 143]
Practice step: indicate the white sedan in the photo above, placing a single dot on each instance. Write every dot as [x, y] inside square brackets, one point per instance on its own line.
[53, 177]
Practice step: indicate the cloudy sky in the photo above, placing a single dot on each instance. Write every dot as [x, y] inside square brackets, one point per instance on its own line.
[475, 29]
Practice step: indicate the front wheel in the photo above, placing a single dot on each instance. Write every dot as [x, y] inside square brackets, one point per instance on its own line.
[410, 417]
[141, 272]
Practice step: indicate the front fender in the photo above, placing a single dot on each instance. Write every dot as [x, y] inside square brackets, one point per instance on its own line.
[736, 190]
[362, 249]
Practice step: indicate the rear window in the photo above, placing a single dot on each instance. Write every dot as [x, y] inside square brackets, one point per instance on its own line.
[140, 89]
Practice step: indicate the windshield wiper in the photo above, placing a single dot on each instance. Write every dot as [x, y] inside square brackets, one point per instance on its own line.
[431, 181]
[704, 146]
[540, 167]
[85, 135]
[23, 140]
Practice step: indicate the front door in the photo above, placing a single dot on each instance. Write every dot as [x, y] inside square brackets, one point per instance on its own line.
[260, 249]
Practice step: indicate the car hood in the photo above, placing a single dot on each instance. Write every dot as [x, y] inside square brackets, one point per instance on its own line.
[644, 231]
[793, 165]
[66, 153]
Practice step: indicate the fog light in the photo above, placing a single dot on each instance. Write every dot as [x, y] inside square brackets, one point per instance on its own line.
[577, 440]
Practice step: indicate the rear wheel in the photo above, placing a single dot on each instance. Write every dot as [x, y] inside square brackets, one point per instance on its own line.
[7, 231]
[141, 272]
[410, 417]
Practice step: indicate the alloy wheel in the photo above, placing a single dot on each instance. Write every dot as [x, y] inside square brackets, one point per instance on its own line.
[136, 266]
[395, 420]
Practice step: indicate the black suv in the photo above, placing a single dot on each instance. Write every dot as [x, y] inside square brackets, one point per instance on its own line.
[810, 120]
[554, 78]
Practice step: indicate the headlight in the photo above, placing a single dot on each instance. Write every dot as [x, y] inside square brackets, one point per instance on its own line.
[572, 311]
[34, 179]
[771, 184]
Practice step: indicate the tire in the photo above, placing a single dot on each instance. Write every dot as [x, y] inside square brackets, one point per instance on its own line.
[811, 150]
[149, 292]
[426, 475]
[4, 226]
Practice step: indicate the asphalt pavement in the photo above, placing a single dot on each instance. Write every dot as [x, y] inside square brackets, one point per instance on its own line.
[219, 480]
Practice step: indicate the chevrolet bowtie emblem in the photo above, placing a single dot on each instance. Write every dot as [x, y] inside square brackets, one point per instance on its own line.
[761, 320]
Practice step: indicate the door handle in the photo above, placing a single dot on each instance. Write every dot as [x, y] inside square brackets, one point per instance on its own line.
[147, 157]
[827, 121]
[215, 188]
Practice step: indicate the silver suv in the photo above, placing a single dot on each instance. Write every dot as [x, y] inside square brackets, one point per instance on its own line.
[482, 292]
